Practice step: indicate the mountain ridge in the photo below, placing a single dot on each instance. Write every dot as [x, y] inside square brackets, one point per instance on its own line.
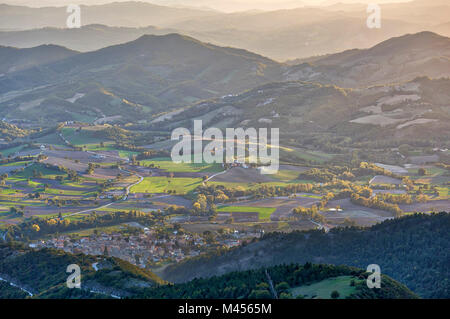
[153, 72]
[13, 59]
[156, 74]
[41, 274]
[279, 34]
[427, 54]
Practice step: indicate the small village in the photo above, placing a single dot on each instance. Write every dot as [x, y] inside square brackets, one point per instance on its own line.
[147, 248]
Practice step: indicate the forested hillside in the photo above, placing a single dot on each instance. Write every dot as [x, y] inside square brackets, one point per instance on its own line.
[43, 274]
[413, 250]
[288, 281]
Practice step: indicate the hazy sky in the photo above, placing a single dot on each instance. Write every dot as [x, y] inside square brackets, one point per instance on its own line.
[223, 5]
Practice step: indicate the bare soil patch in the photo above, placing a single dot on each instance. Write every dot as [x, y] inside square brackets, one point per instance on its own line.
[434, 205]
[363, 216]
[245, 217]
[381, 179]
[242, 175]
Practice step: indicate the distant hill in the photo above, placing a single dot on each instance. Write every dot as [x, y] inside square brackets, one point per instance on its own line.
[140, 78]
[87, 38]
[11, 131]
[295, 33]
[13, 59]
[126, 14]
[279, 34]
[156, 75]
[413, 250]
[41, 274]
[395, 60]
[443, 28]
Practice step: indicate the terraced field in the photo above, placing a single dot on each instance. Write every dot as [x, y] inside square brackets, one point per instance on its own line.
[264, 213]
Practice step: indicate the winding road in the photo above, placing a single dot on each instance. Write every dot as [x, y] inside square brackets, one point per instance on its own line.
[217, 174]
[141, 179]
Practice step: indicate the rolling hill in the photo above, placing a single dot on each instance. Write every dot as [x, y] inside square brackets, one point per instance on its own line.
[14, 59]
[394, 60]
[279, 43]
[166, 81]
[304, 111]
[137, 79]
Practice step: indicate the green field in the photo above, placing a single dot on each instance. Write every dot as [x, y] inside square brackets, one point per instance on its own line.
[286, 175]
[28, 172]
[263, 212]
[21, 163]
[52, 138]
[169, 165]
[161, 184]
[109, 146]
[324, 288]
[290, 177]
[71, 218]
[13, 150]
[127, 154]
[80, 138]
[305, 155]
